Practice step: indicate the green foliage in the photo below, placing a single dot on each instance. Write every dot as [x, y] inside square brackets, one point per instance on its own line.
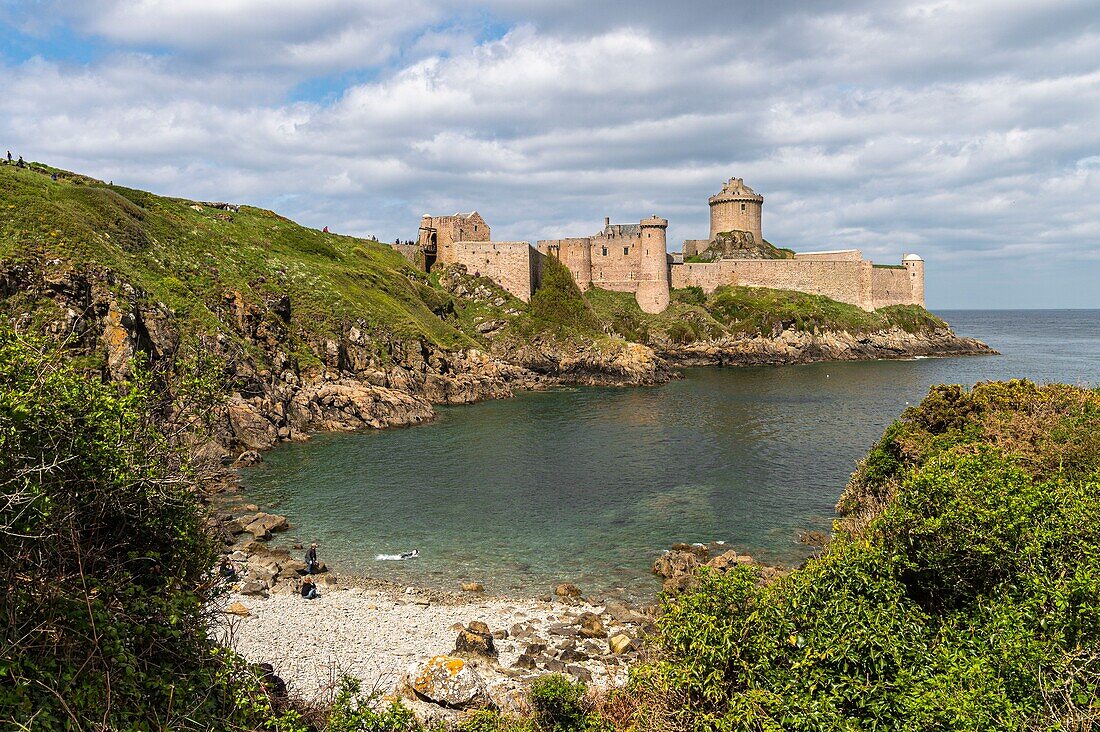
[352, 712]
[558, 704]
[558, 303]
[190, 257]
[967, 599]
[105, 559]
[692, 295]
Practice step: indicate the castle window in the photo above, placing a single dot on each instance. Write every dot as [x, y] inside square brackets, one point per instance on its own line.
[742, 208]
[605, 251]
[626, 250]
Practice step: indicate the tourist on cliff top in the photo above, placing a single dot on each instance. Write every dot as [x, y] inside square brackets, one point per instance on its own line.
[312, 565]
[9, 157]
[309, 589]
[21, 164]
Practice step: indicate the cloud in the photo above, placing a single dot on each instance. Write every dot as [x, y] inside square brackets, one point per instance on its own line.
[965, 131]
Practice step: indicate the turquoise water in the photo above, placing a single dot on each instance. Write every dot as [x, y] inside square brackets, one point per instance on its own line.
[589, 484]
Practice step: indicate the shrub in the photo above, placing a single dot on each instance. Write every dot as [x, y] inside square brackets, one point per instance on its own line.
[558, 703]
[971, 600]
[559, 302]
[352, 712]
[105, 560]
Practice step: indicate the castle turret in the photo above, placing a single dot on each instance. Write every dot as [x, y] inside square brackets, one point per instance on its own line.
[914, 265]
[652, 293]
[736, 208]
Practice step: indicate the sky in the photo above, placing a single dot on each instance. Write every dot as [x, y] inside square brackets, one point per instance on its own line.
[966, 131]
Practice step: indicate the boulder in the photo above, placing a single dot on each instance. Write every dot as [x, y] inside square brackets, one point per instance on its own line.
[592, 626]
[476, 640]
[238, 608]
[524, 661]
[580, 673]
[553, 665]
[254, 587]
[676, 563]
[723, 562]
[567, 589]
[448, 681]
[473, 587]
[262, 524]
[250, 457]
[620, 643]
[620, 612]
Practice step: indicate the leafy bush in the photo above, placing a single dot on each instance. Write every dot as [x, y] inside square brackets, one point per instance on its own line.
[969, 598]
[105, 560]
[351, 712]
[558, 703]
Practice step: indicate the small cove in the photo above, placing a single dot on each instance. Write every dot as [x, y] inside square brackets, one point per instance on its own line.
[588, 485]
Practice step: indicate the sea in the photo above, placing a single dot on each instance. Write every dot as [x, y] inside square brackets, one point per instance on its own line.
[588, 485]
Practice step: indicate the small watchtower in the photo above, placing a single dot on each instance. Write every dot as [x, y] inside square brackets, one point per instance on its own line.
[736, 208]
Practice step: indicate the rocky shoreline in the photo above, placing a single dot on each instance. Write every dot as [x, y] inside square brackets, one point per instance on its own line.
[440, 652]
[799, 347]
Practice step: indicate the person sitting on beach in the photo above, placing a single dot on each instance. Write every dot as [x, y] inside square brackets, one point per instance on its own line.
[227, 569]
[309, 589]
[312, 565]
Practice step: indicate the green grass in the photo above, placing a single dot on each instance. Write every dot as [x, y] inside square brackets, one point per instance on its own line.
[190, 259]
[694, 315]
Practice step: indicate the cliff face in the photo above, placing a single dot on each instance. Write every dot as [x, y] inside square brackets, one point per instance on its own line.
[276, 390]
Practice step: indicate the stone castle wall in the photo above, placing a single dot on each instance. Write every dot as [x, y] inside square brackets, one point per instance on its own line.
[843, 255]
[511, 264]
[853, 281]
[891, 286]
[846, 281]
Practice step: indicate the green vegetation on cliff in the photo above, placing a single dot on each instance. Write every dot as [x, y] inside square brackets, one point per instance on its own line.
[193, 258]
[736, 311]
[962, 590]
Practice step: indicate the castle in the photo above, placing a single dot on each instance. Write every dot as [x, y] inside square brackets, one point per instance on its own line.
[634, 258]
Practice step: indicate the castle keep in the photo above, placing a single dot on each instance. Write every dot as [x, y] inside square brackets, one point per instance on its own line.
[634, 258]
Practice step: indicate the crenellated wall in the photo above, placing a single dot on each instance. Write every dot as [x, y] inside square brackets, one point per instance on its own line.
[845, 279]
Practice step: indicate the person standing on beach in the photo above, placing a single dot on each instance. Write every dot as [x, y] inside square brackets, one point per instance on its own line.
[312, 565]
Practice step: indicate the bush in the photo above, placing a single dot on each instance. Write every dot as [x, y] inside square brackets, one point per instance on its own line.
[557, 703]
[105, 560]
[353, 713]
[969, 600]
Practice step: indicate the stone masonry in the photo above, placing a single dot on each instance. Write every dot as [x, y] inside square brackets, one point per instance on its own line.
[634, 258]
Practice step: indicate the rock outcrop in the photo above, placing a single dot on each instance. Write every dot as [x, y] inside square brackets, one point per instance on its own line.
[791, 347]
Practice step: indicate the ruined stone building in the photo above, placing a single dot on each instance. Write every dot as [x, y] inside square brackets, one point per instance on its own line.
[634, 258]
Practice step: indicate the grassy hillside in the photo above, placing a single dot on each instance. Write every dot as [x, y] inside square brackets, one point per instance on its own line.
[190, 257]
[694, 315]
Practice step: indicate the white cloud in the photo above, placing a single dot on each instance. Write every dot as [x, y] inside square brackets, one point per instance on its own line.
[942, 126]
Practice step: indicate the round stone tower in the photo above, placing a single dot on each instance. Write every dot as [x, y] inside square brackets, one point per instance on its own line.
[736, 208]
[652, 293]
[914, 265]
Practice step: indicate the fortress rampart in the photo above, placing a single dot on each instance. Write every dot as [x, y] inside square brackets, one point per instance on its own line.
[634, 258]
